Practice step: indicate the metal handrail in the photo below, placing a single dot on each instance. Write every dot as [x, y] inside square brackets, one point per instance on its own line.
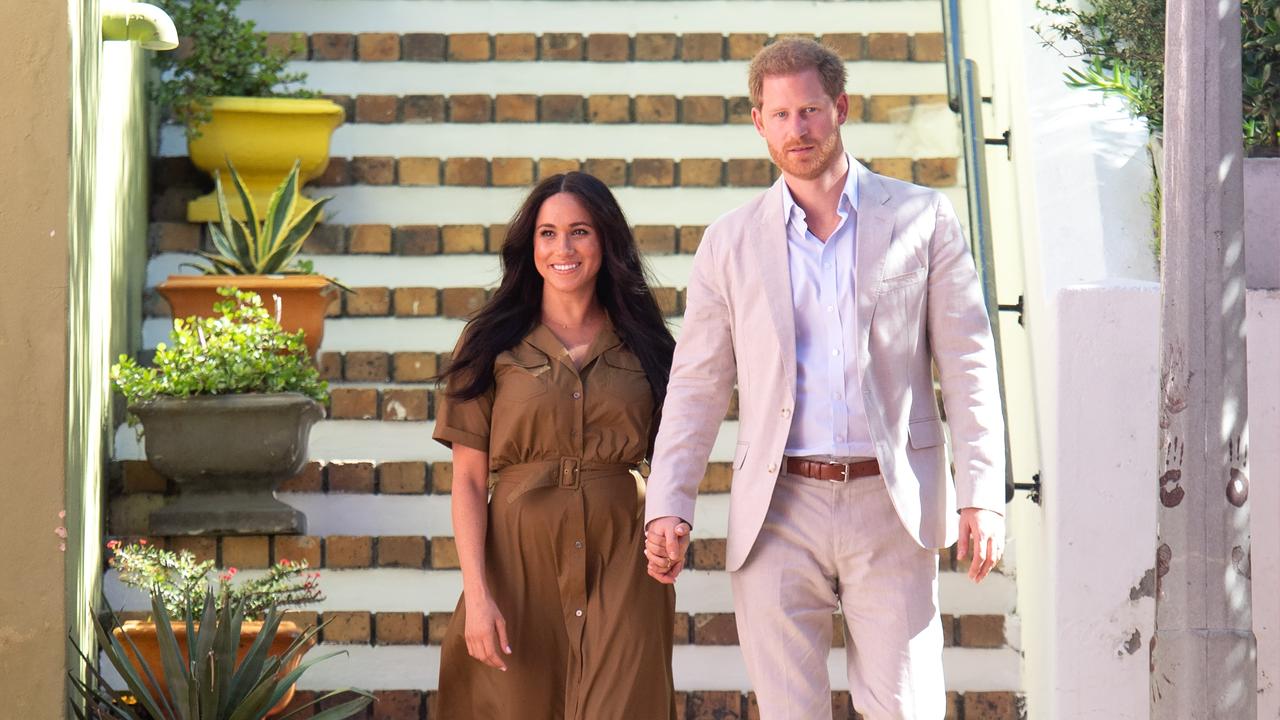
[965, 98]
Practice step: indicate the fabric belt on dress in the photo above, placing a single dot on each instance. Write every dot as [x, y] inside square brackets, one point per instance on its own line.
[832, 471]
[566, 473]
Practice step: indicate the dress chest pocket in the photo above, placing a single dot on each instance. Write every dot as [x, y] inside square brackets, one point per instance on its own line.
[626, 378]
[521, 378]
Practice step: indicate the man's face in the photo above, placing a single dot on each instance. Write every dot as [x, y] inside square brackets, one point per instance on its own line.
[800, 123]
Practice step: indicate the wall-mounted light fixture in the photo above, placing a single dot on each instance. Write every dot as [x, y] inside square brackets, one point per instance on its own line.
[147, 25]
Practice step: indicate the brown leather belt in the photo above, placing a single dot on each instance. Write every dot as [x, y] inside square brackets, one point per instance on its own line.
[834, 472]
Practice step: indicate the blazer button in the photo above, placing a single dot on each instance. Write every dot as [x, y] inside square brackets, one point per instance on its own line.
[773, 467]
[786, 412]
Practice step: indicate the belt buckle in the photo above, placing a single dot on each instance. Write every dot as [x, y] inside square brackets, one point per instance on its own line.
[569, 473]
[844, 472]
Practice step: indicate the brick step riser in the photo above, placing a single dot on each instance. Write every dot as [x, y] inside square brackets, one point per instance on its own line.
[388, 629]
[403, 704]
[592, 47]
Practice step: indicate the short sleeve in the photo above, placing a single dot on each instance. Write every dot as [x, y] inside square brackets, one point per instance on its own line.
[466, 422]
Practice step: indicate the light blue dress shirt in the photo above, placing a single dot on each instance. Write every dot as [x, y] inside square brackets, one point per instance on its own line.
[830, 418]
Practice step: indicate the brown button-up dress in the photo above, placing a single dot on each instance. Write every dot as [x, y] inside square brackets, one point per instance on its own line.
[590, 631]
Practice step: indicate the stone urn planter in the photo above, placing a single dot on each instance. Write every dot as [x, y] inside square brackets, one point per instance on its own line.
[145, 639]
[262, 137]
[227, 455]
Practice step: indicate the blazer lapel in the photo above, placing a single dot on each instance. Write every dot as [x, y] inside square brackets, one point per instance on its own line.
[875, 230]
[775, 270]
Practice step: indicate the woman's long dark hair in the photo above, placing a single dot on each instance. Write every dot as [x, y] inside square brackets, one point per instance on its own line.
[515, 308]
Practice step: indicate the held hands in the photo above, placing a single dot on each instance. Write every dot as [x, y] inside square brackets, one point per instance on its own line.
[983, 530]
[486, 632]
[666, 541]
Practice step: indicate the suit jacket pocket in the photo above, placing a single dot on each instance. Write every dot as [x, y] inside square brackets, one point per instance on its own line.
[740, 455]
[904, 280]
[925, 433]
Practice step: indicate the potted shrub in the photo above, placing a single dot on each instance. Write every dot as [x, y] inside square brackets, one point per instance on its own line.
[238, 102]
[242, 668]
[181, 585]
[1122, 44]
[259, 254]
[226, 413]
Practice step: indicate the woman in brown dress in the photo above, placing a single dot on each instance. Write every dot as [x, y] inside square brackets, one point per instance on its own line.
[554, 388]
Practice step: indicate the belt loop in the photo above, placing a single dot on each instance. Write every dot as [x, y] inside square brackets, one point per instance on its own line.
[569, 471]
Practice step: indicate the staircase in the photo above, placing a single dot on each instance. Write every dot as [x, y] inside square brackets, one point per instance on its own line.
[454, 109]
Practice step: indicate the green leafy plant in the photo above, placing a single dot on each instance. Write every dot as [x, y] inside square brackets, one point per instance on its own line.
[261, 244]
[181, 583]
[241, 350]
[1261, 59]
[207, 682]
[1122, 44]
[220, 55]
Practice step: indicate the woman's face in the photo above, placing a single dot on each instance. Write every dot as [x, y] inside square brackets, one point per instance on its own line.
[566, 246]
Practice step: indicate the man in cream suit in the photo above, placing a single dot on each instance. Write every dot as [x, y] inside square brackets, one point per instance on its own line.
[827, 299]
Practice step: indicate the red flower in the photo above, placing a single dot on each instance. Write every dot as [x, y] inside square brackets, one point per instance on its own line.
[113, 544]
[142, 541]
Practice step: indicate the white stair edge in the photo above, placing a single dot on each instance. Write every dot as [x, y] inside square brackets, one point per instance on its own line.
[385, 441]
[405, 271]
[930, 132]
[697, 591]
[396, 205]
[458, 16]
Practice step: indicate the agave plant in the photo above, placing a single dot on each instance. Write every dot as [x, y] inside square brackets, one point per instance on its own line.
[261, 244]
[208, 683]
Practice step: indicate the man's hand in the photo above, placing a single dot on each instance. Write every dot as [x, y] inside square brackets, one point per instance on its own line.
[666, 540]
[983, 530]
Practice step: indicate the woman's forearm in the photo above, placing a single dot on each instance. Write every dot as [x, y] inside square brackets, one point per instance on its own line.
[470, 510]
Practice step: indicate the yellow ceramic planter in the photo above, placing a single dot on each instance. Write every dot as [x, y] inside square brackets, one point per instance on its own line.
[262, 137]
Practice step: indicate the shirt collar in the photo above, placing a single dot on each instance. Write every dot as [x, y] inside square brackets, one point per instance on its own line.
[793, 213]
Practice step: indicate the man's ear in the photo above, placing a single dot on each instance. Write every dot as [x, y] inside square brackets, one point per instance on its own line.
[842, 108]
[757, 119]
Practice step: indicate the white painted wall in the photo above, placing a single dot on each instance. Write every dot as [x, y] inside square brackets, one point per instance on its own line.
[1101, 512]
[1071, 195]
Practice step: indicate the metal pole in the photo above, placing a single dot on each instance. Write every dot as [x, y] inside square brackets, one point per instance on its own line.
[1203, 654]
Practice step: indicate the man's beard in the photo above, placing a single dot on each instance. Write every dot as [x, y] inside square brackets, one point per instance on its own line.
[823, 156]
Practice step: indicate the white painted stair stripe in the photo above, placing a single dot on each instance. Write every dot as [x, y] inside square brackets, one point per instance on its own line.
[437, 271]
[726, 78]
[697, 591]
[428, 515]
[395, 205]
[695, 668]
[380, 441]
[931, 132]
[508, 16]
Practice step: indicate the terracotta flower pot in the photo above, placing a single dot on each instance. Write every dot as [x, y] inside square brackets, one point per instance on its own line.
[304, 299]
[144, 636]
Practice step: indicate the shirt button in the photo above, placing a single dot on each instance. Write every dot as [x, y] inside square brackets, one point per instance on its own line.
[578, 613]
[835, 351]
[831, 308]
[577, 395]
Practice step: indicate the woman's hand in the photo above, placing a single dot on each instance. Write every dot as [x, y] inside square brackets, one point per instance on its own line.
[486, 632]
